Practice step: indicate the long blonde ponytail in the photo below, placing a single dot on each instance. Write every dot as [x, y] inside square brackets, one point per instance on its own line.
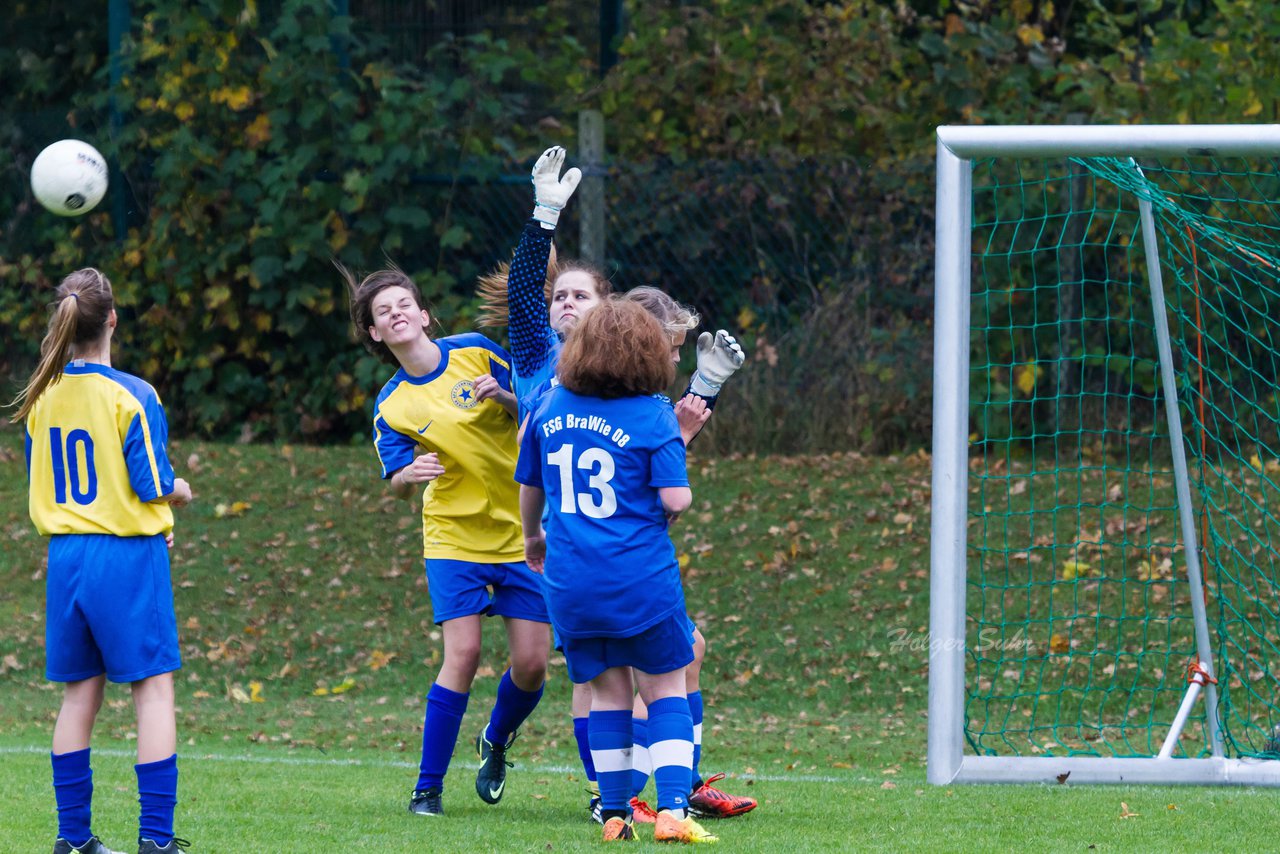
[78, 315]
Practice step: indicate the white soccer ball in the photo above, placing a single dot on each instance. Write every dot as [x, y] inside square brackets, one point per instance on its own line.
[69, 177]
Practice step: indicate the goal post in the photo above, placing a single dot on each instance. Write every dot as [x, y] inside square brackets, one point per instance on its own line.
[1105, 540]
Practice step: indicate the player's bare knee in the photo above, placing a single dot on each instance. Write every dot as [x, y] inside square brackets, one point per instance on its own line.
[153, 690]
[462, 658]
[85, 696]
[699, 648]
[528, 671]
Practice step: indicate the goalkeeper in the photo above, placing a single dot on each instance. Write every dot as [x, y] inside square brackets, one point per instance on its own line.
[540, 311]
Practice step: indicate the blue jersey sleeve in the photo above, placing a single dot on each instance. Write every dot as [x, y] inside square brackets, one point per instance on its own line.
[529, 402]
[526, 300]
[667, 465]
[529, 463]
[710, 401]
[395, 450]
[501, 371]
[145, 442]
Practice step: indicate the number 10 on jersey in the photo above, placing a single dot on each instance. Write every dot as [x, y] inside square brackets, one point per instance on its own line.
[68, 460]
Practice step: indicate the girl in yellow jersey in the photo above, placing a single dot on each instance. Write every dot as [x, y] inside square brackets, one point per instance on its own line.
[101, 488]
[445, 424]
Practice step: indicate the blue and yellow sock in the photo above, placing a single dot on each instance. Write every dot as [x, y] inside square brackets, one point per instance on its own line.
[695, 712]
[641, 764]
[584, 748]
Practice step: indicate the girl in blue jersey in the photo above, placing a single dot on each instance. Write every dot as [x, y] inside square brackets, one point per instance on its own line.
[445, 424]
[718, 358]
[603, 452]
[101, 488]
[539, 312]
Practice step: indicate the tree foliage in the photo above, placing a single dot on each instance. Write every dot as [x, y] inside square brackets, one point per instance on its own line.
[255, 152]
[260, 142]
[868, 82]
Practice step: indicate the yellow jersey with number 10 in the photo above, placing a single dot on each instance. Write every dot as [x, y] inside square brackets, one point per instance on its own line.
[96, 455]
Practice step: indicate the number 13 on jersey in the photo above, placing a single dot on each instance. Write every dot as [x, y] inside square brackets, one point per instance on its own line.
[600, 501]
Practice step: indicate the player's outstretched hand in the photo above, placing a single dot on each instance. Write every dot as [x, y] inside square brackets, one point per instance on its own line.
[691, 414]
[535, 552]
[719, 356]
[551, 190]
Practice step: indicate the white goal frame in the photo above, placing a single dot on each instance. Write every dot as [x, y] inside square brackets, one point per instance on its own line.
[957, 147]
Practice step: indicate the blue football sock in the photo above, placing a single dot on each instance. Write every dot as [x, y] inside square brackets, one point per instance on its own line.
[440, 727]
[584, 748]
[510, 709]
[157, 798]
[671, 750]
[610, 737]
[641, 764]
[73, 793]
[695, 712]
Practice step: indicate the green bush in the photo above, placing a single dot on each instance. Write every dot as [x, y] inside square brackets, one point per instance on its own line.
[256, 152]
[259, 141]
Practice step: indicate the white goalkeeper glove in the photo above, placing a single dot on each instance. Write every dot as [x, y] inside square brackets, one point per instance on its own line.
[551, 191]
[718, 358]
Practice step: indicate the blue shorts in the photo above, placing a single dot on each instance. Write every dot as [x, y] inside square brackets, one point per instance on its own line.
[109, 608]
[460, 588]
[556, 643]
[663, 647]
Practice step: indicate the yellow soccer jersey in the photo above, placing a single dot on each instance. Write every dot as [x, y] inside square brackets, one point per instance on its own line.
[472, 511]
[96, 455]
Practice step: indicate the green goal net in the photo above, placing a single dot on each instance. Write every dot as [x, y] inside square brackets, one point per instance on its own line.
[1079, 629]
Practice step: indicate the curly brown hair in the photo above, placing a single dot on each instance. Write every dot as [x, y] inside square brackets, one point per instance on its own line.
[618, 349]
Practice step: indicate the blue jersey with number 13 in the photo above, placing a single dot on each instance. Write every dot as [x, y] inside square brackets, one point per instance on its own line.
[601, 463]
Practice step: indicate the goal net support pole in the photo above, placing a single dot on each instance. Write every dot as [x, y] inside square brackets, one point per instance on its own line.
[1186, 513]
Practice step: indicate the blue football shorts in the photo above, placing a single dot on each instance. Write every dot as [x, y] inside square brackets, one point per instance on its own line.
[460, 588]
[109, 608]
[556, 643]
[665, 646]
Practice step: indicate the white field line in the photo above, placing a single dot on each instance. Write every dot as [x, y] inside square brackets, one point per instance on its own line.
[196, 756]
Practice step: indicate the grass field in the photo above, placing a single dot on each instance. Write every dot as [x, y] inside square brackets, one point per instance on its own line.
[309, 645]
